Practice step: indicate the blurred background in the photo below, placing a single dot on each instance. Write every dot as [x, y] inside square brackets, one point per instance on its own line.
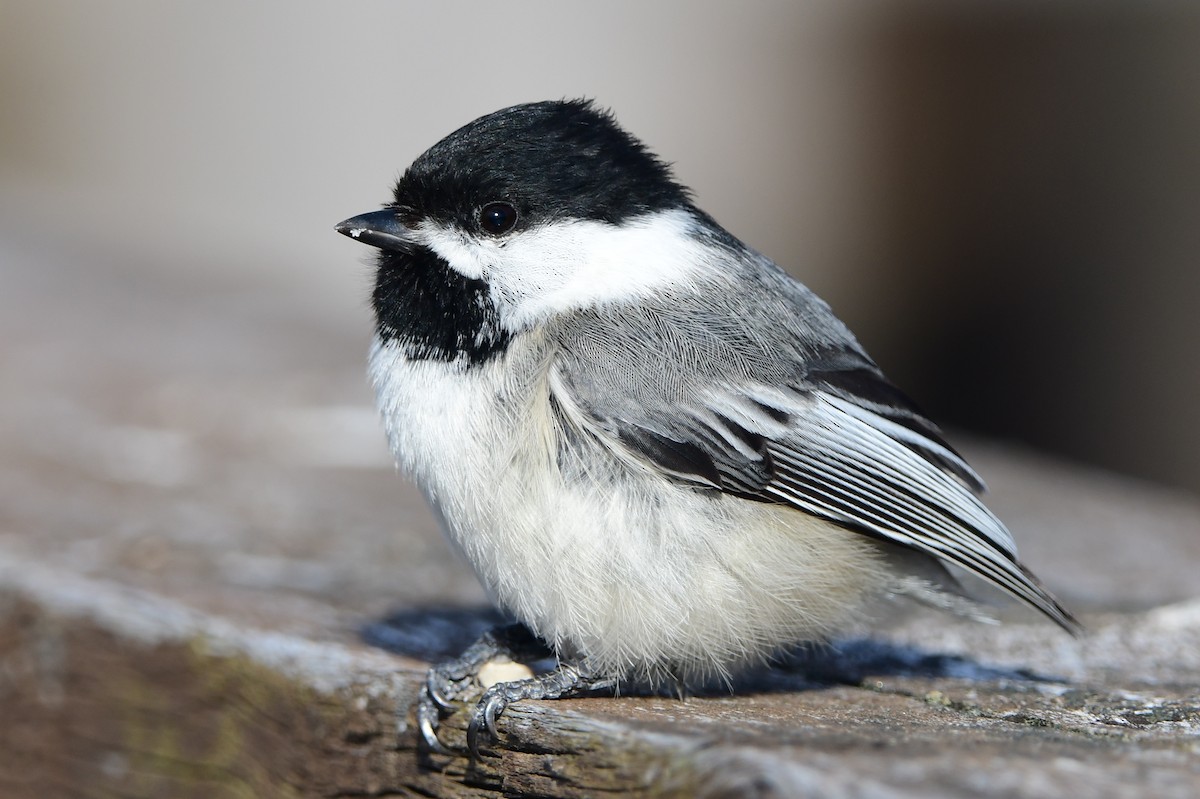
[1001, 198]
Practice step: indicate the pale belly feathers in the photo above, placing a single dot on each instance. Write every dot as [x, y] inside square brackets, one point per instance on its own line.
[604, 559]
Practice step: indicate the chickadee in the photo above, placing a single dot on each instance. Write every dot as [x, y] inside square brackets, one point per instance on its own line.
[660, 453]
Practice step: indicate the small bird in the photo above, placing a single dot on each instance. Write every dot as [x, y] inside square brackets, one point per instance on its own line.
[662, 455]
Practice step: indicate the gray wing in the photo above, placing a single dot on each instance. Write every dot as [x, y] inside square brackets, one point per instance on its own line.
[772, 400]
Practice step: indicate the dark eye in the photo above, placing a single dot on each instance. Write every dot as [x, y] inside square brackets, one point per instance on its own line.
[497, 218]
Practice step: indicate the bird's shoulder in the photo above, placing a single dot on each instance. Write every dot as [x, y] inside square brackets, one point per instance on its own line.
[743, 354]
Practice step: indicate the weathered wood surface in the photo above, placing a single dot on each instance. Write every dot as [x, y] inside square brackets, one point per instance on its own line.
[212, 584]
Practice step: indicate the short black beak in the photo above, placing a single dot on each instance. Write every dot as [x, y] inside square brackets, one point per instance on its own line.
[379, 229]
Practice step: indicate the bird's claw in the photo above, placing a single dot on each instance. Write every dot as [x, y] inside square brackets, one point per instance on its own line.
[444, 688]
[493, 708]
[483, 717]
[483, 720]
[428, 721]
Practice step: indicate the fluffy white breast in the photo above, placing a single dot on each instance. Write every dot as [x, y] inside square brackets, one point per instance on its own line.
[606, 559]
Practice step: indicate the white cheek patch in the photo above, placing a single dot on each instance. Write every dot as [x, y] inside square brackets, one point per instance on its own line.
[464, 254]
[577, 264]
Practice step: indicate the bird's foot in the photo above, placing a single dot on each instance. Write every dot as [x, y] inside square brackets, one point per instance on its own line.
[565, 681]
[450, 683]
